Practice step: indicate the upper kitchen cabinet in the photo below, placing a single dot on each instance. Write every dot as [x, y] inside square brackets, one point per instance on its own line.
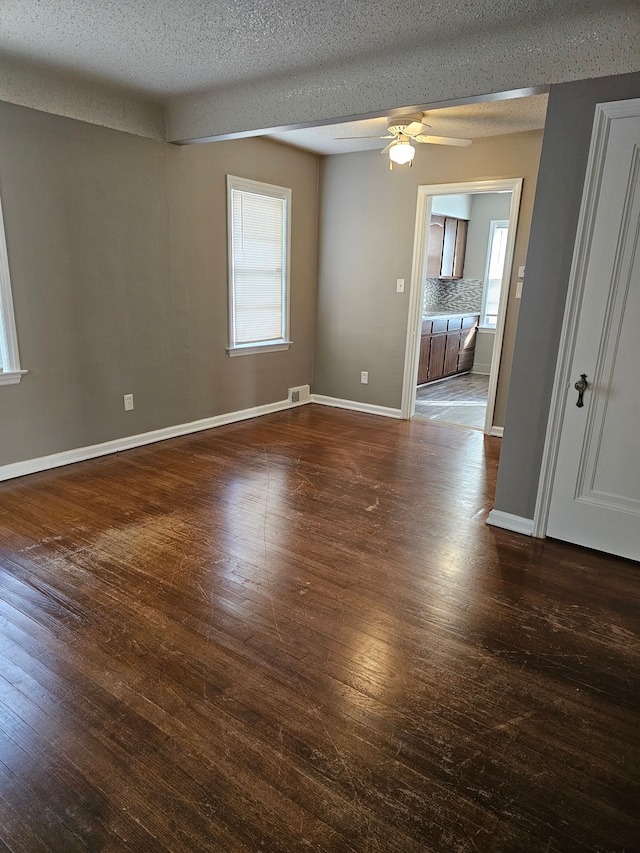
[447, 244]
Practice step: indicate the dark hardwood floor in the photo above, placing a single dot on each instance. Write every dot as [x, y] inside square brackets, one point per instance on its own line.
[297, 633]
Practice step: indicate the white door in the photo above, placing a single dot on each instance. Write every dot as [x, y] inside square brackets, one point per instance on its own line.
[595, 497]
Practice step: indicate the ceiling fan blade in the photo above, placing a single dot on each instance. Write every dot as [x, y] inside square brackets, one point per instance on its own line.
[386, 148]
[363, 137]
[443, 140]
[415, 128]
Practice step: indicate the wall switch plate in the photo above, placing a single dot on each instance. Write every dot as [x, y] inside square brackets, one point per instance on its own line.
[128, 402]
[399, 285]
[364, 377]
[520, 272]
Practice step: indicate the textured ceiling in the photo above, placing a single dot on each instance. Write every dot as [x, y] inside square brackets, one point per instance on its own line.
[472, 121]
[164, 48]
[195, 70]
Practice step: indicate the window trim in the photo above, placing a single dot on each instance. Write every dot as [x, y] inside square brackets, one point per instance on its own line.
[493, 227]
[260, 188]
[10, 372]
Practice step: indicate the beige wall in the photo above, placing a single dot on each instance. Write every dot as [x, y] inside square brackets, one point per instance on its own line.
[117, 253]
[367, 218]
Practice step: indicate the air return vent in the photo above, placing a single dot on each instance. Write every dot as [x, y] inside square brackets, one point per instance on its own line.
[299, 394]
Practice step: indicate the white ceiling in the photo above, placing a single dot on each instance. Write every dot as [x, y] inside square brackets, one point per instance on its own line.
[472, 121]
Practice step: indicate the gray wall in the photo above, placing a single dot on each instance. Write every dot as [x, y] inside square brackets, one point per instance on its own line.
[117, 252]
[367, 219]
[197, 182]
[562, 171]
[458, 206]
[483, 354]
[484, 208]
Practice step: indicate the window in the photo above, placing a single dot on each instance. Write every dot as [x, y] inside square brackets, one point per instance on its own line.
[259, 218]
[10, 372]
[496, 251]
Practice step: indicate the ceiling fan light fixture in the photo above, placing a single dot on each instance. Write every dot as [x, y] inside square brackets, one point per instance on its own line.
[402, 152]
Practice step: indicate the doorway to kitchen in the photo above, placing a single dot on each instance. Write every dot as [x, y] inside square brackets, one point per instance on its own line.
[462, 269]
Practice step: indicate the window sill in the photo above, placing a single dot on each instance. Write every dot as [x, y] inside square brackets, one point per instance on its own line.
[11, 377]
[258, 348]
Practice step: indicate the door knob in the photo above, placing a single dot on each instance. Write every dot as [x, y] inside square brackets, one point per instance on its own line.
[581, 387]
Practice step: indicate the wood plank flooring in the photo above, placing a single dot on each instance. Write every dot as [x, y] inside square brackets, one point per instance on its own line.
[298, 634]
[460, 400]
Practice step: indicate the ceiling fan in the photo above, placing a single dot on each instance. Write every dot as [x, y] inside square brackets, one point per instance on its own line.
[405, 129]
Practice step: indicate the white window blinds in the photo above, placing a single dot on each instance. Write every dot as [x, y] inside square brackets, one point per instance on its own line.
[258, 224]
[499, 231]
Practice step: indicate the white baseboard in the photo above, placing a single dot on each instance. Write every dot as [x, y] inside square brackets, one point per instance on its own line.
[56, 460]
[507, 521]
[354, 406]
[481, 369]
[497, 431]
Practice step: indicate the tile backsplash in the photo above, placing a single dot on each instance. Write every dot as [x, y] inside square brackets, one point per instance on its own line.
[464, 294]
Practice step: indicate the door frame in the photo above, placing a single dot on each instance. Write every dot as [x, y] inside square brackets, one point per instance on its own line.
[418, 268]
[604, 114]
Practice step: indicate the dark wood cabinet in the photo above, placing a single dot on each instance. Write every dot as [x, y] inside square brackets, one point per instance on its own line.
[437, 348]
[446, 247]
[423, 362]
[452, 350]
[447, 346]
[435, 246]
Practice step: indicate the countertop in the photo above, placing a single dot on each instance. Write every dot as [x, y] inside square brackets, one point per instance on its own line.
[432, 315]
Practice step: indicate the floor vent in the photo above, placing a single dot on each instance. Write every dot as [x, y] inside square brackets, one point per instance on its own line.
[299, 394]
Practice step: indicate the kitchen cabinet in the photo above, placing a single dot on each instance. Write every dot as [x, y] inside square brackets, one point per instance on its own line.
[447, 346]
[423, 361]
[437, 350]
[451, 352]
[435, 247]
[446, 247]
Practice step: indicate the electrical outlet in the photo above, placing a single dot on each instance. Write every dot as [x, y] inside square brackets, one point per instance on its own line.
[128, 402]
[364, 377]
[399, 285]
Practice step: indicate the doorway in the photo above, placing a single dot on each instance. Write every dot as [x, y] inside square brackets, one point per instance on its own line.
[458, 301]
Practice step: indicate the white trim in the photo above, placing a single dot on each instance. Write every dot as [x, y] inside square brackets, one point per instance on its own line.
[56, 460]
[416, 291]
[493, 227]
[12, 377]
[496, 356]
[604, 115]
[414, 320]
[355, 406]
[497, 431]
[258, 348]
[507, 521]
[10, 373]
